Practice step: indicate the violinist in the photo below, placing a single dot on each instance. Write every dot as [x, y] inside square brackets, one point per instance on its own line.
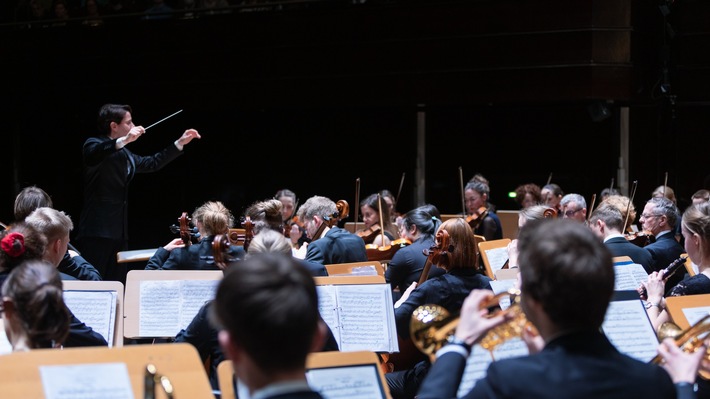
[528, 195]
[607, 222]
[417, 226]
[329, 243]
[476, 195]
[551, 196]
[371, 234]
[448, 290]
[389, 198]
[211, 218]
[659, 217]
[292, 229]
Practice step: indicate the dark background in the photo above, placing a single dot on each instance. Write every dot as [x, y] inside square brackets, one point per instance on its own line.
[313, 95]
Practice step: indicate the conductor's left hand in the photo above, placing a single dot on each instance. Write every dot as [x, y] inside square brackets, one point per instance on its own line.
[188, 136]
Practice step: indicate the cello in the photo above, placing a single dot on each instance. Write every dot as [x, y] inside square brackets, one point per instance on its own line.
[186, 233]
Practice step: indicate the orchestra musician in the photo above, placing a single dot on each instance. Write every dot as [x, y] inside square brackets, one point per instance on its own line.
[607, 222]
[22, 241]
[447, 290]
[391, 201]
[203, 336]
[268, 319]
[418, 226]
[528, 195]
[329, 243]
[660, 216]
[552, 194]
[576, 360]
[574, 206]
[211, 219]
[292, 229]
[476, 195]
[72, 263]
[370, 211]
[33, 309]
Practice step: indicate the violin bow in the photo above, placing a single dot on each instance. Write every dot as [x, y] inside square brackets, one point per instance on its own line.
[382, 223]
[590, 210]
[401, 183]
[549, 179]
[628, 207]
[665, 184]
[611, 186]
[357, 202]
[463, 194]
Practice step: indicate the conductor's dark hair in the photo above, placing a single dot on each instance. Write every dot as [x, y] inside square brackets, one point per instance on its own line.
[269, 306]
[111, 113]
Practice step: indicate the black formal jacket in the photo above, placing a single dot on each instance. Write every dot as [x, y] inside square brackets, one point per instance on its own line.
[79, 268]
[408, 263]
[620, 246]
[199, 256]
[582, 365]
[107, 174]
[337, 246]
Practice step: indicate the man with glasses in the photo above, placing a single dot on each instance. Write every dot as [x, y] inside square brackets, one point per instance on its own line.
[659, 217]
[574, 207]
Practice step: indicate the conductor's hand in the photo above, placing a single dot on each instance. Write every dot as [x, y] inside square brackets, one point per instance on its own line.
[474, 321]
[134, 134]
[188, 136]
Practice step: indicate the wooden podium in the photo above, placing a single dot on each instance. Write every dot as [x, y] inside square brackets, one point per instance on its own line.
[20, 376]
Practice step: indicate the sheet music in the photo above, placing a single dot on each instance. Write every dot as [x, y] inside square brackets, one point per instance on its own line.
[479, 360]
[629, 276]
[351, 382]
[167, 306]
[96, 309]
[499, 286]
[5, 345]
[103, 380]
[361, 316]
[693, 315]
[497, 258]
[627, 326]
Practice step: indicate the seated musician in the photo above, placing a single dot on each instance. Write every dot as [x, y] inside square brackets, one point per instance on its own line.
[659, 218]
[292, 230]
[33, 309]
[476, 195]
[371, 232]
[448, 290]
[72, 264]
[576, 359]
[267, 314]
[211, 218]
[607, 222]
[24, 242]
[418, 226]
[330, 244]
[203, 336]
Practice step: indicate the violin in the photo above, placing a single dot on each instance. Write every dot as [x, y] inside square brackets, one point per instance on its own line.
[287, 228]
[475, 219]
[640, 238]
[368, 235]
[385, 252]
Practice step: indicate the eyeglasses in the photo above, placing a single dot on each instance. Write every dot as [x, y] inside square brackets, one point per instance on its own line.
[569, 214]
[645, 216]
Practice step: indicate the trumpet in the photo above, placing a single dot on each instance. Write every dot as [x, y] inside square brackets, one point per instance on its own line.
[431, 326]
[689, 340]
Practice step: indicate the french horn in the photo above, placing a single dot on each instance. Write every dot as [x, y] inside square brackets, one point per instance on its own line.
[432, 325]
[689, 340]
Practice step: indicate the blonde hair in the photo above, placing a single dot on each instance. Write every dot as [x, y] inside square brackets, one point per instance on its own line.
[214, 217]
[269, 241]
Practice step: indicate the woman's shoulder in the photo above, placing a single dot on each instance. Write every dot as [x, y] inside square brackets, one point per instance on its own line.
[698, 284]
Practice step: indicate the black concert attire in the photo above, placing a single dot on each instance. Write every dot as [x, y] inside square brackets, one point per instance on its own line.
[449, 291]
[490, 227]
[79, 333]
[103, 226]
[337, 246]
[407, 265]
[199, 256]
[79, 268]
[664, 251]
[578, 365]
[620, 246]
